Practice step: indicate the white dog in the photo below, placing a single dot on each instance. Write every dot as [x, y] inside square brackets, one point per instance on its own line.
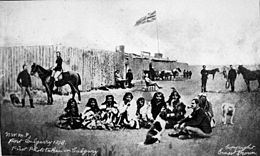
[228, 109]
[155, 132]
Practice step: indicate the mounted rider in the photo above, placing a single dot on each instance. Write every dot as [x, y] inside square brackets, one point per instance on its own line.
[57, 70]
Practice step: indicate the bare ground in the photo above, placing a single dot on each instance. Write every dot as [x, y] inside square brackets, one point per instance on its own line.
[39, 123]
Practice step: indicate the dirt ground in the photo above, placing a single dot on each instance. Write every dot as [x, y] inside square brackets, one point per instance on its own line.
[38, 123]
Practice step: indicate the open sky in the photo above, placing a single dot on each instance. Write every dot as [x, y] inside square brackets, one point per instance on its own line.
[196, 32]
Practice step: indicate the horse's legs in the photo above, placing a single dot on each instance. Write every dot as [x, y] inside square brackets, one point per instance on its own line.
[213, 75]
[73, 92]
[248, 85]
[78, 92]
[49, 94]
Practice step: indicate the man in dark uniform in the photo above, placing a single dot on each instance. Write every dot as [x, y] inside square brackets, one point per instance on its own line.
[129, 78]
[204, 78]
[151, 72]
[57, 70]
[232, 74]
[24, 81]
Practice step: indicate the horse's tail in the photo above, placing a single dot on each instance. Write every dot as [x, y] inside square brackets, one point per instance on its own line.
[79, 79]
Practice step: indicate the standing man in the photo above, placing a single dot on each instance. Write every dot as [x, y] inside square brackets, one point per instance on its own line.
[129, 78]
[151, 72]
[204, 78]
[24, 81]
[232, 74]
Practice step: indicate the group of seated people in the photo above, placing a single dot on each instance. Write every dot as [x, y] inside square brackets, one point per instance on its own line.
[132, 114]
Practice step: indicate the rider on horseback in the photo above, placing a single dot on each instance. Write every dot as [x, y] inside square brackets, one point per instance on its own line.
[57, 70]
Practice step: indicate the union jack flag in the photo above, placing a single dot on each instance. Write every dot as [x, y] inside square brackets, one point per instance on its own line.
[150, 17]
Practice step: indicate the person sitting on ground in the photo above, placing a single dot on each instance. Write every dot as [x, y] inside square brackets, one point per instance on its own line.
[70, 119]
[149, 82]
[175, 109]
[207, 107]
[157, 104]
[127, 112]
[109, 112]
[143, 113]
[92, 115]
[195, 125]
[120, 82]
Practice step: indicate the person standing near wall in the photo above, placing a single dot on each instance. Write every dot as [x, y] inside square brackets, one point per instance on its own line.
[204, 78]
[151, 72]
[232, 74]
[24, 81]
[129, 78]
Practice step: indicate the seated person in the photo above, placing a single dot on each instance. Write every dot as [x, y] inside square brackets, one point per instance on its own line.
[109, 111]
[120, 82]
[207, 107]
[70, 119]
[143, 113]
[196, 125]
[127, 112]
[149, 82]
[175, 109]
[91, 115]
[157, 104]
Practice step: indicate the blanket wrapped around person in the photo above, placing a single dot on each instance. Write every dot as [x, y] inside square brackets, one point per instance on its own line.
[71, 118]
[91, 116]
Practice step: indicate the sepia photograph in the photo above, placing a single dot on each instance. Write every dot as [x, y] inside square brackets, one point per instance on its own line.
[130, 78]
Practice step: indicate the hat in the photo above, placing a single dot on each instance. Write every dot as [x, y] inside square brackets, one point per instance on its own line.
[173, 88]
[202, 94]
[196, 97]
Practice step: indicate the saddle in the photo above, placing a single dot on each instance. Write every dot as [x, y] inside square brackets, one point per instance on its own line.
[56, 74]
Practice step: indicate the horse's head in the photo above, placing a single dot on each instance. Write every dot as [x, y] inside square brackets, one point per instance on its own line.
[34, 68]
[239, 69]
[217, 70]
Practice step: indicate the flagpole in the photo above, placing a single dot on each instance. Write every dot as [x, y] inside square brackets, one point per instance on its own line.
[157, 35]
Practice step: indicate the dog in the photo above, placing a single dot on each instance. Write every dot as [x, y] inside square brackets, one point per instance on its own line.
[14, 99]
[228, 109]
[155, 132]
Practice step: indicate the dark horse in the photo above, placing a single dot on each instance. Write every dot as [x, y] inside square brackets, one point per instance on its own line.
[213, 72]
[249, 75]
[71, 78]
